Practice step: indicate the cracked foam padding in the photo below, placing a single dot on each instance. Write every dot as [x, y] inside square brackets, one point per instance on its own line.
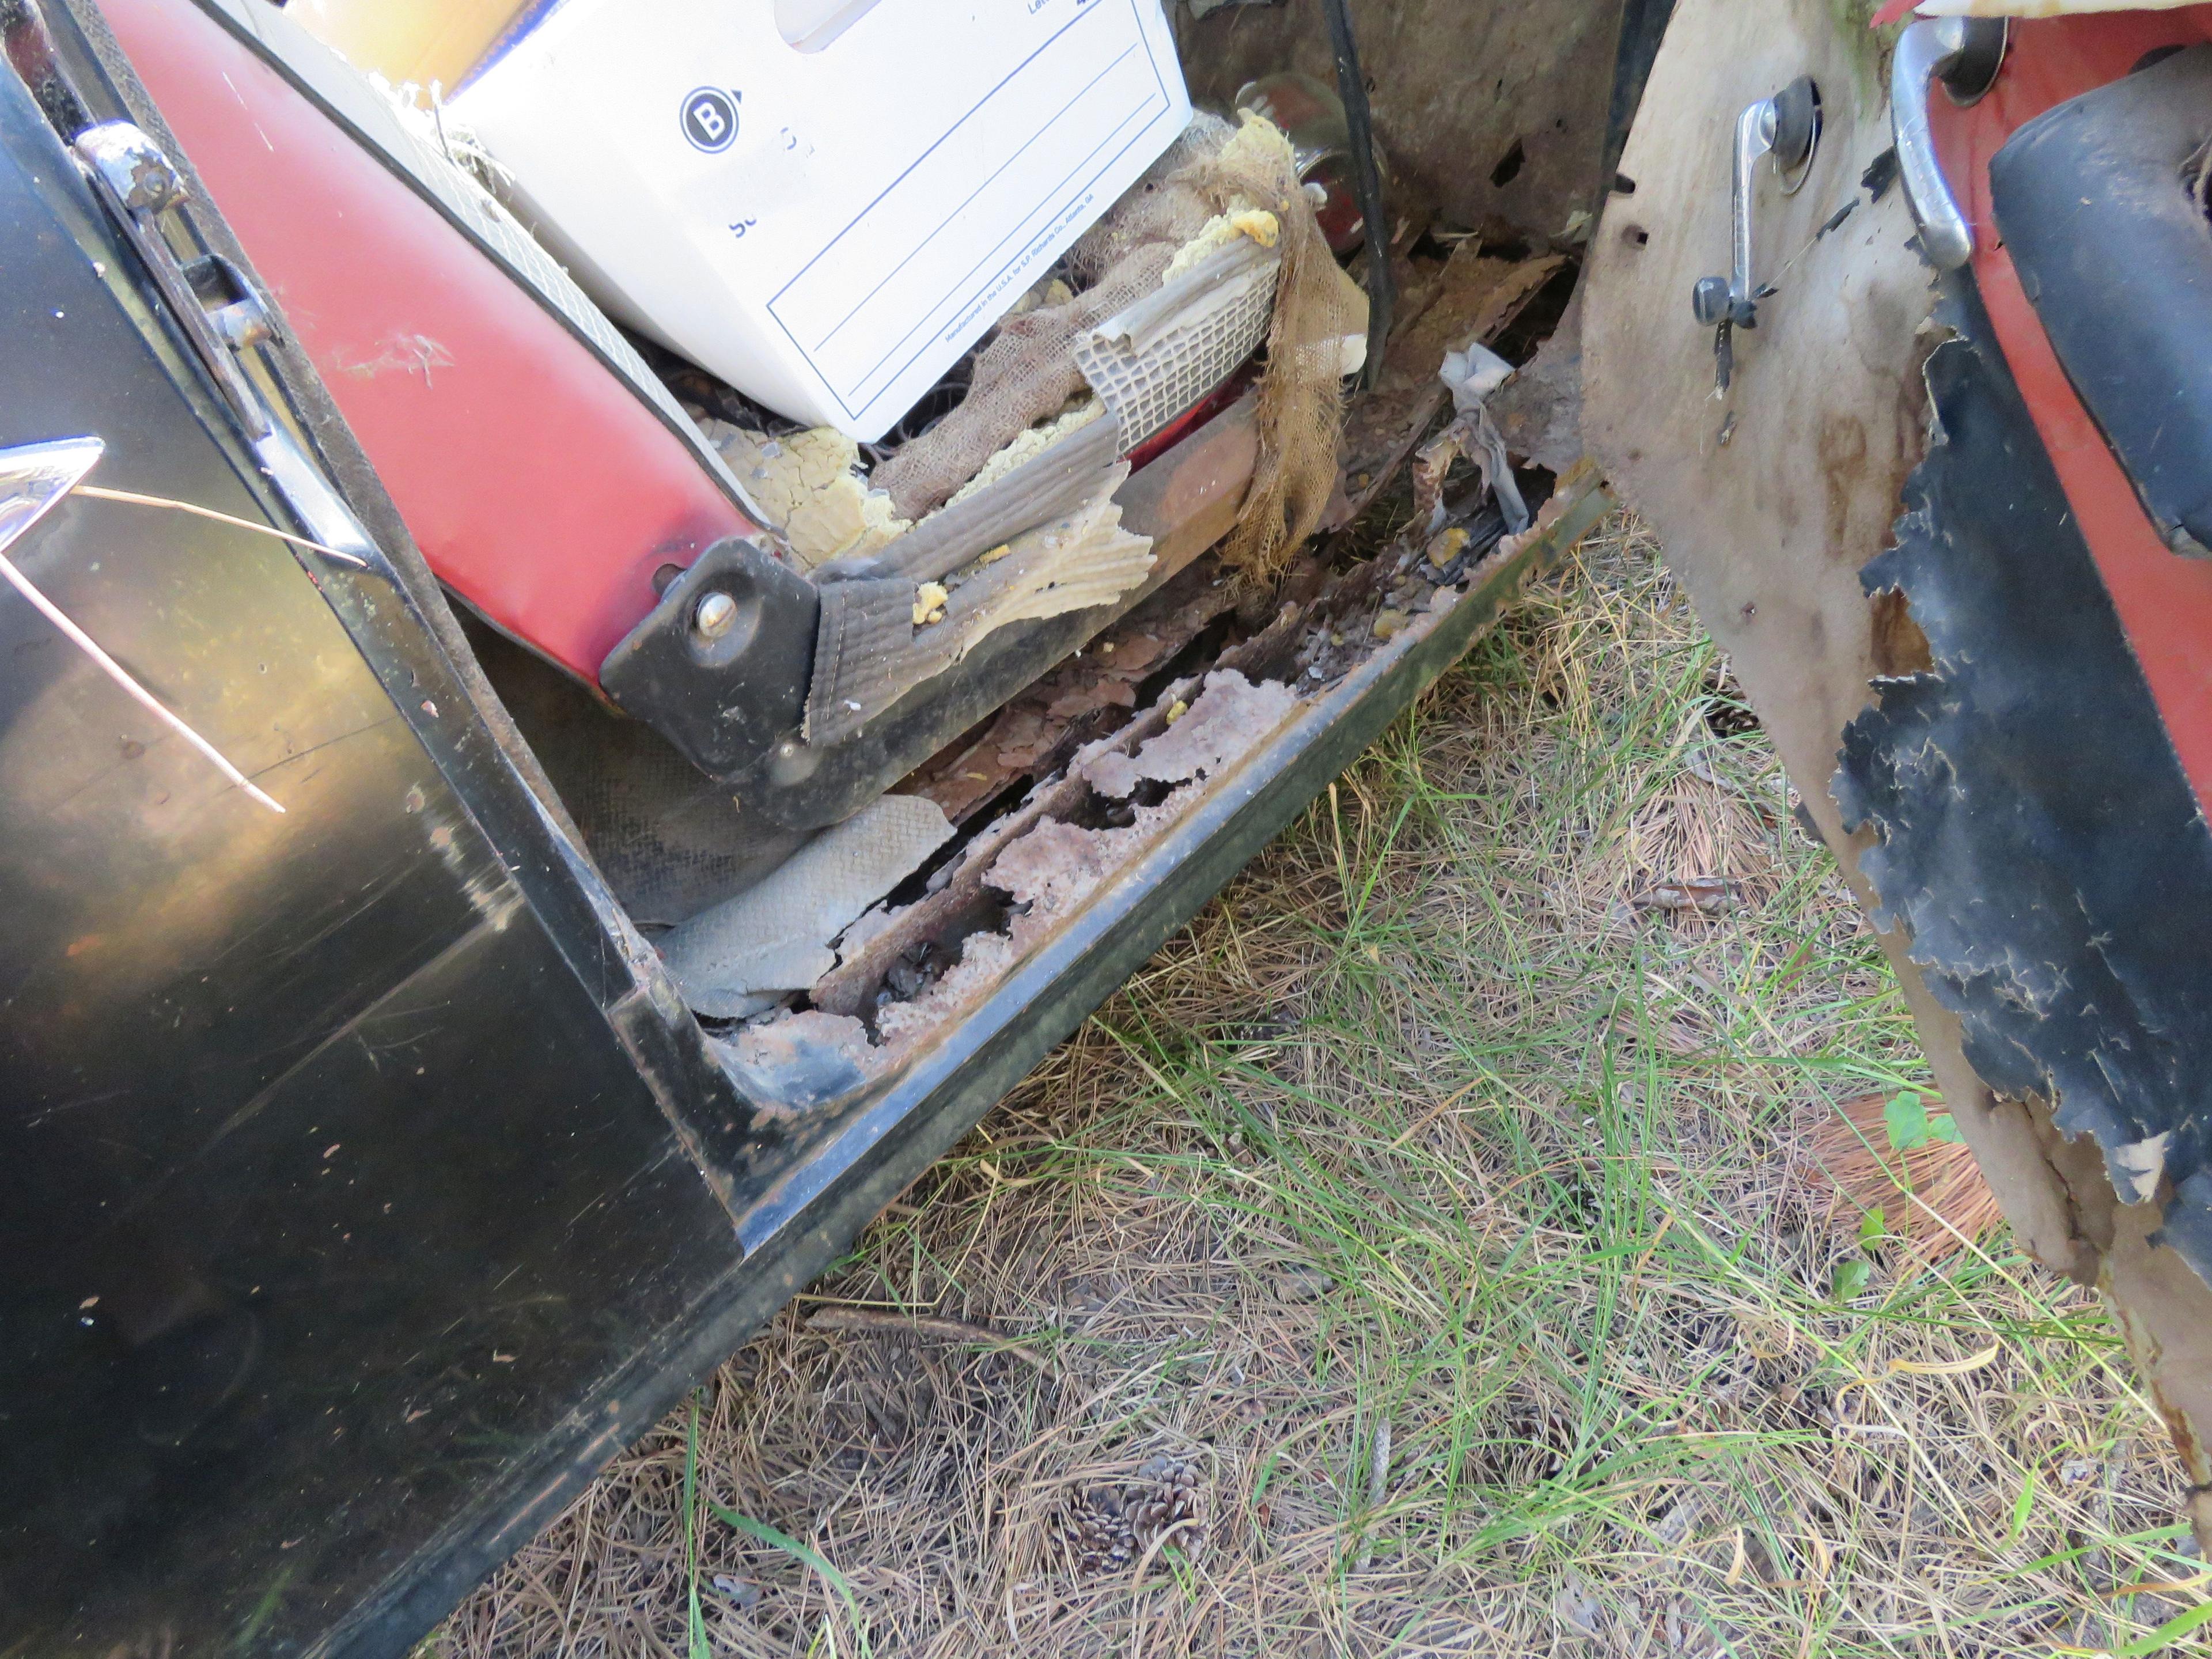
[810, 484]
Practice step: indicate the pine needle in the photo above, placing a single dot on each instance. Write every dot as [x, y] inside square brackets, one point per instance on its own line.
[1932, 1195]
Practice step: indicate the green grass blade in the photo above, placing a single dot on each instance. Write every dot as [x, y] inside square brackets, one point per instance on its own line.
[695, 1628]
[812, 1558]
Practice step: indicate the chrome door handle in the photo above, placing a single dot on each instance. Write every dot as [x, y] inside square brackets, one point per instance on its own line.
[1962, 53]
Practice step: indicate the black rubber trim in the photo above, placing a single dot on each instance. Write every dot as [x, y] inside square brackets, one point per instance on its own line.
[1367, 181]
[1643, 27]
[2099, 204]
[2039, 838]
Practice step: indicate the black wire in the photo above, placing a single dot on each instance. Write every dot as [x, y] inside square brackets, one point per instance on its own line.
[1367, 181]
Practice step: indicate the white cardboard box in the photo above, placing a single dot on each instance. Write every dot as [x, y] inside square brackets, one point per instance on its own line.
[827, 229]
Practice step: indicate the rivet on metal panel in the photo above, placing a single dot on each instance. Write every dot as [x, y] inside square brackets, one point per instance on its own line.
[716, 615]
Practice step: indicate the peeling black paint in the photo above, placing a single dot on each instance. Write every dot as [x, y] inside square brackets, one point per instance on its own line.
[2038, 839]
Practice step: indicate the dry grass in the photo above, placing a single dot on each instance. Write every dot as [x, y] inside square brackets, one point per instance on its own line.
[1925, 1191]
[1476, 1109]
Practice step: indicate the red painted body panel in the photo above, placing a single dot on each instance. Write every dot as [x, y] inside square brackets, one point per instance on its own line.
[539, 487]
[2165, 601]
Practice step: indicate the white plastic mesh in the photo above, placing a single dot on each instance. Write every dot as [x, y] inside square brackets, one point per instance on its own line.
[1153, 361]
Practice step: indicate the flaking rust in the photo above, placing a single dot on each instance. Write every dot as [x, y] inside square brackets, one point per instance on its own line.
[1051, 873]
[1036, 871]
[1228, 719]
[1049, 870]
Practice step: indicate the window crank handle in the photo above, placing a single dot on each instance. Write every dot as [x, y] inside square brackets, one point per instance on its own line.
[1786, 127]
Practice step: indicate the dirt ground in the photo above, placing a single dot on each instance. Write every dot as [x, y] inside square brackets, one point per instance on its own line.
[1427, 1252]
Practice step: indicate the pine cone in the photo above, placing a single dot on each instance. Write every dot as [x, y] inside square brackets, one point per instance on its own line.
[1093, 1536]
[1106, 1530]
[1165, 1495]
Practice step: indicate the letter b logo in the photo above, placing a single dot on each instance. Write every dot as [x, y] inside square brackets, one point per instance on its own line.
[710, 119]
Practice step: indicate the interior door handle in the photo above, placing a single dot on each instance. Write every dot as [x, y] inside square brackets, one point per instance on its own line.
[1964, 54]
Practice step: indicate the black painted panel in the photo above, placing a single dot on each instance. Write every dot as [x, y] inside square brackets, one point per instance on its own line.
[327, 1191]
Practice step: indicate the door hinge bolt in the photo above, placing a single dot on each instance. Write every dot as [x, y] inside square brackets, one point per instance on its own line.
[132, 164]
